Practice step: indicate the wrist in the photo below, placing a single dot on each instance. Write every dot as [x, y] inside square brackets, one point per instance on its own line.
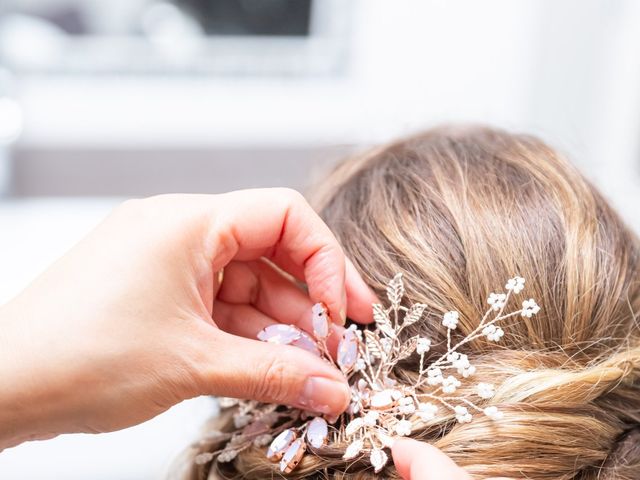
[25, 399]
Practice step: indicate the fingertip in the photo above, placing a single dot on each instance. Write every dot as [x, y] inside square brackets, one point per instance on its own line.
[403, 450]
[416, 460]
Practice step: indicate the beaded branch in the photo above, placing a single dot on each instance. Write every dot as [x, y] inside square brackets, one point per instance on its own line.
[382, 408]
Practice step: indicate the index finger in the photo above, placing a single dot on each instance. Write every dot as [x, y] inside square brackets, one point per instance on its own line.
[280, 225]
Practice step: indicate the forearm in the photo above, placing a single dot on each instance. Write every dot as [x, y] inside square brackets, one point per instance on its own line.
[25, 402]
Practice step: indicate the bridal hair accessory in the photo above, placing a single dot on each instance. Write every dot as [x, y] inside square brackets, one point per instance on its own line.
[382, 406]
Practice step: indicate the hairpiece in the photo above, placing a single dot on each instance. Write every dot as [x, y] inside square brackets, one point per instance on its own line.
[382, 407]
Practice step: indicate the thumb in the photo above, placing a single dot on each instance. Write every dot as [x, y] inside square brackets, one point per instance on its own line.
[420, 461]
[244, 368]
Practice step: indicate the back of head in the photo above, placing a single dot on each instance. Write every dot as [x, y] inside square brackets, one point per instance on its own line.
[457, 211]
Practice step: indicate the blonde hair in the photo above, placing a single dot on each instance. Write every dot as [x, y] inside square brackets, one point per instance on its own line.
[457, 211]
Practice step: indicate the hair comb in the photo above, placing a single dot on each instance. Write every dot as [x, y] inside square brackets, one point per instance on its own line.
[382, 406]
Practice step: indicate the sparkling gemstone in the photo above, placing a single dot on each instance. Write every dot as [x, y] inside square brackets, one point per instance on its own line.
[348, 350]
[280, 444]
[384, 399]
[320, 321]
[317, 432]
[292, 456]
[306, 342]
[278, 333]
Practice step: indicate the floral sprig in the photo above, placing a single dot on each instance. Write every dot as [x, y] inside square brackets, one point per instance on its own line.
[381, 407]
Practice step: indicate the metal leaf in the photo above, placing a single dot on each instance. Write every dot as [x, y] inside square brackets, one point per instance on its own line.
[379, 315]
[408, 348]
[353, 450]
[378, 459]
[414, 314]
[353, 426]
[373, 344]
[395, 291]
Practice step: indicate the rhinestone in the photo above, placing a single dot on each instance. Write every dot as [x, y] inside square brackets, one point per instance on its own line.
[280, 444]
[317, 432]
[280, 334]
[320, 321]
[292, 456]
[348, 350]
[383, 400]
[306, 343]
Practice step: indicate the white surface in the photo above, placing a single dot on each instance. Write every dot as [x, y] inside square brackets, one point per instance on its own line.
[566, 70]
[35, 233]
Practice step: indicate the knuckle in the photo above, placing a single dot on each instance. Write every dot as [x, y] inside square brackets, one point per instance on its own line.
[130, 205]
[272, 383]
[292, 196]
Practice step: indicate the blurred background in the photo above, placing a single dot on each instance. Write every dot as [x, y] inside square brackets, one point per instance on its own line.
[104, 100]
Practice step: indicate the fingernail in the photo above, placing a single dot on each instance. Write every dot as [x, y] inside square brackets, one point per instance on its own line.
[343, 316]
[323, 395]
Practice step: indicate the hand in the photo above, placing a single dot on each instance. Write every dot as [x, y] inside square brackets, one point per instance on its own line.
[132, 320]
[420, 461]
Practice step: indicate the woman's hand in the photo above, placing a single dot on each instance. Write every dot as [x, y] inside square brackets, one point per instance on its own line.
[132, 320]
[420, 461]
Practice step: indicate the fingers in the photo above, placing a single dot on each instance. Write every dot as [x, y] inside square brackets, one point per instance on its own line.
[254, 295]
[247, 321]
[280, 224]
[243, 368]
[257, 283]
[420, 461]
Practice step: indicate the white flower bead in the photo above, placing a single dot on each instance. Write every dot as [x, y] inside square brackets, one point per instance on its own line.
[403, 428]
[515, 284]
[496, 300]
[462, 414]
[423, 346]
[485, 390]
[529, 308]
[495, 335]
[450, 384]
[434, 376]
[450, 320]
[493, 413]
[427, 411]
[407, 406]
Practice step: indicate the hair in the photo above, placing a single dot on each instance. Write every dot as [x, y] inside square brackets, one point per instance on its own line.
[457, 211]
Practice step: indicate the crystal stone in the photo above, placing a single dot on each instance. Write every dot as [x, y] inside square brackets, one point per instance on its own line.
[385, 399]
[280, 444]
[320, 321]
[306, 343]
[280, 334]
[317, 432]
[348, 350]
[292, 456]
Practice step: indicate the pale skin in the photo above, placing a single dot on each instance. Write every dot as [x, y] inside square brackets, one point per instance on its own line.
[133, 319]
